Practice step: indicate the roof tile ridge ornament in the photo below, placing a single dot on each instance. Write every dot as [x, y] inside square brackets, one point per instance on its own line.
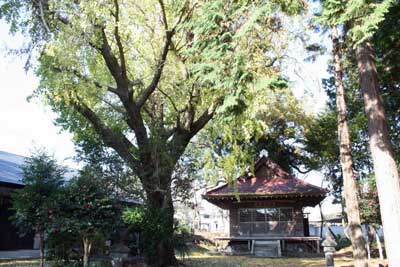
[272, 165]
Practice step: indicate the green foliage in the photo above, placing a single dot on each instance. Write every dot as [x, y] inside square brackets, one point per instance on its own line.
[278, 125]
[34, 203]
[182, 236]
[85, 212]
[382, 35]
[134, 217]
[86, 208]
[369, 202]
[151, 224]
[145, 77]
[225, 49]
[362, 16]
[104, 162]
[342, 242]
[62, 248]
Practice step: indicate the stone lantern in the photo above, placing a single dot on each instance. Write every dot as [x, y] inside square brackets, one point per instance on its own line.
[329, 245]
[119, 253]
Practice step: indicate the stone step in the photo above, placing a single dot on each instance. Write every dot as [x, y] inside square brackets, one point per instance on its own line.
[267, 248]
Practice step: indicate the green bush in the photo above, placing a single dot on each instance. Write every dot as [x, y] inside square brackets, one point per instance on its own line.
[182, 235]
[151, 224]
[63, 249]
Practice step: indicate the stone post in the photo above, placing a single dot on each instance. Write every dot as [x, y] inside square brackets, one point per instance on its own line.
[329, 245]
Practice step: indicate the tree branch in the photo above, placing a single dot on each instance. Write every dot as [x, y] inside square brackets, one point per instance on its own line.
[134, 118]
[158, 71]
[298, 169]
[115, 140]
[170, 100]
[112, 63]
[87, 79]
[42, 17]
[119, 43]
[204, 118]
[168, 42]
[164, 16]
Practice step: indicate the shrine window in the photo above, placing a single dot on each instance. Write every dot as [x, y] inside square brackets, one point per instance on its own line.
[245, 215]
[265, 215]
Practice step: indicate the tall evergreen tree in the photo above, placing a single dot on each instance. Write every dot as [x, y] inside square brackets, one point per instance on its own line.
[383, 156]
[362, 20]
[346, 160]
[34, 203]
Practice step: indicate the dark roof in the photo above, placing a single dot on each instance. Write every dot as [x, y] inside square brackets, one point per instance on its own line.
[10, 168]
[269, 181]
[11, 172]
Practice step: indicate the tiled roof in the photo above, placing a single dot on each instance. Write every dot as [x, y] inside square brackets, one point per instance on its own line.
[11, 172]
[274, 181]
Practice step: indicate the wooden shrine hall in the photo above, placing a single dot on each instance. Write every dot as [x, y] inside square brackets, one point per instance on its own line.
[266, 212]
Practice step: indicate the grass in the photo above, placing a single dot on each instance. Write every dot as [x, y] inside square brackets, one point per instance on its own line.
[19, 263]
[229, 261]
[243, 261]
[205, 255]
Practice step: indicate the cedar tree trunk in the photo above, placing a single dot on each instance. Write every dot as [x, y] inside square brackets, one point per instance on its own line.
[386, 172]
[346, 161]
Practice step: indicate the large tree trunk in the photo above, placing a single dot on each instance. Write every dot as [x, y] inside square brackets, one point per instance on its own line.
[165, 254]
[346, 161]
[159, 199]
[386, 172]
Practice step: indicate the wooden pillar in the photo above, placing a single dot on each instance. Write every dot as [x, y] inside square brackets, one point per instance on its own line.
[279, 248]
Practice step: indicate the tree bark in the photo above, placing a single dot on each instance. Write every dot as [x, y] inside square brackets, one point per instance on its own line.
[157, 184]
[87, 246]
[385, 167]
[346, 161]
[165, 255]
[344, 222]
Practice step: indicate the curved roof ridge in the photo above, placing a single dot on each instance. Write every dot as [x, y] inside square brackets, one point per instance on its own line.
[280, 181]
